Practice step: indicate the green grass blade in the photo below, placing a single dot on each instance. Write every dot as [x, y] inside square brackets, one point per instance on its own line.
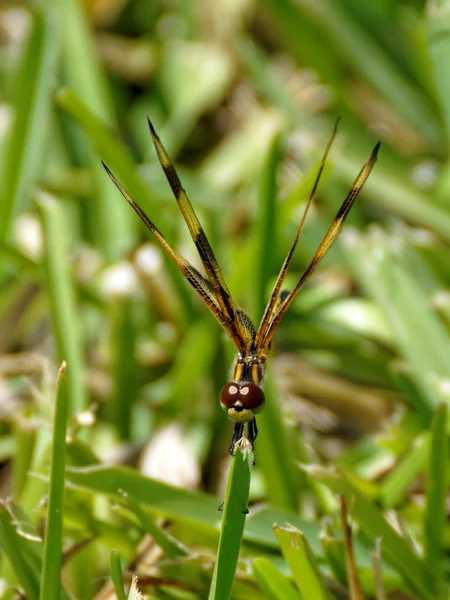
[25, 439]
[436, 511]
[116, 574]
[301, 561]
[396, 550]
[193, 509]
[274, 585]
[422, 341]
[31, 102]
[126, 376]
[51, 569]
[62, 299]
[110, 150]
[395, 485]
[275, 452]
[265, 228]
[439, 44]
[171, 547]
[112, 222]
[233, 521]
[19, 557]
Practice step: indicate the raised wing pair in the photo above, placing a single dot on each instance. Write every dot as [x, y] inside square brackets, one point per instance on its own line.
[243, 397]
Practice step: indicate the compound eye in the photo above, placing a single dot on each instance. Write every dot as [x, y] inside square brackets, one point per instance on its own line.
[229, 395]
[252, 397]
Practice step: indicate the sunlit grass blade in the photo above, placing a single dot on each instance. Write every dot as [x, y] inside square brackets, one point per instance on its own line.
[301, 561]
[235, 508]
[396, 550]
[274, 585]
[436, 507]
[14, 547]
[395, 485]
[31, 102]
[51, 568]
[116, 574]
[62, 299]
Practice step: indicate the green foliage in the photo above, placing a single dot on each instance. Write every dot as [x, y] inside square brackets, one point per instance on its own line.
[126, 462]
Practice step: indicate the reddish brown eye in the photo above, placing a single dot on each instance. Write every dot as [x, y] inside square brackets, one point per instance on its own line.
[252, 397]
[249, 395]
[229, 395]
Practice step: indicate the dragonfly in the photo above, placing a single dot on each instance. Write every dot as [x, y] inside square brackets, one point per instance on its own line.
[243, 397]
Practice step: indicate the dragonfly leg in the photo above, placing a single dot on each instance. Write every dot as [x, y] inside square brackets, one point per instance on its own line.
[237, 435]
[252, 432]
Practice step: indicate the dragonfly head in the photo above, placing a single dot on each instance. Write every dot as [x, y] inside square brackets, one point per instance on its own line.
[242, 401]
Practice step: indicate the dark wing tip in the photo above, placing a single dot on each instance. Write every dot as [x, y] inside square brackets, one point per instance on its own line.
[375, 151]
[106, 169]
[152, 129]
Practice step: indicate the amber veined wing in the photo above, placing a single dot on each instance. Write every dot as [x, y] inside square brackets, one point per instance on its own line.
[243, 397]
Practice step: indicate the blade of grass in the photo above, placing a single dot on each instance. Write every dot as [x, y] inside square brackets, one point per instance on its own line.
[25, 439]
[193, 509]
[266, 226]
[396, 550]
[274, 585]
[13, 546]
[171, 547]
[62, 299]
[116, 574]
[377, 572]
[123, 339]
[355, 591]
[301, 561]
[111, 222]
[233, 522]
[335, 556]
[274, 451]
[437, 12]
[109, 149]
[51, 568]
[281, 476]
[394, 486]
[31, 103]
[436, 507]
[401, 373]
[422, 341]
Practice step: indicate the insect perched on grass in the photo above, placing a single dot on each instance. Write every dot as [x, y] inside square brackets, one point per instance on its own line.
[243, 397]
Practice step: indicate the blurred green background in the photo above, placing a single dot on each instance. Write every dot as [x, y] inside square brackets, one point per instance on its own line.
[244, 96]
